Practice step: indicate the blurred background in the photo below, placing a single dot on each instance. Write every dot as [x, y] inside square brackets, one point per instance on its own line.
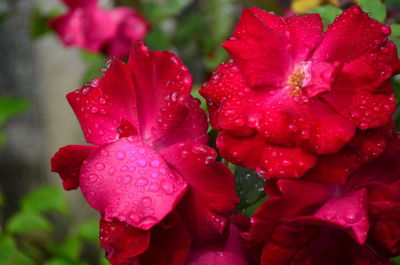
[39, 222]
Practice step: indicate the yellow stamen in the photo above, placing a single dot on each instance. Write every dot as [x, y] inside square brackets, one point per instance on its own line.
[295, 81]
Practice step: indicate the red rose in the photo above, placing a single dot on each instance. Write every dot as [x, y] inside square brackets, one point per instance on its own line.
[307, 222]
[293, 93]
[149, 150]
[95, 29]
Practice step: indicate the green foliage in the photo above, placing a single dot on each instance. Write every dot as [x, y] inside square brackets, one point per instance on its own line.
[157, 39]
[396, 261]
[9, 253]
[45, 199]
[70, 249]
[10, 107]
[95, 62]
[395, 36]
[28, 221]
[58, 261]
[156, 12]
[249, 187]
[328, 14]
[375, 8]
[89, 231]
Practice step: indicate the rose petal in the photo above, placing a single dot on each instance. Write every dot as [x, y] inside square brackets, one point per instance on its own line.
[210, 181]
[232, 254]
[163, 86]
[252, 44]
[67, 162]
[122, 242]
[103, 105]
[169, 245]
[129, 181]
[367, 35]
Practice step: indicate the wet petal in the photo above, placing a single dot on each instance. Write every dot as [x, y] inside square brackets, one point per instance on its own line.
[129, 181]
[252, 44]
[122, 242]
[67, 162]
[105, 104]
[163, 87]
[367, 35]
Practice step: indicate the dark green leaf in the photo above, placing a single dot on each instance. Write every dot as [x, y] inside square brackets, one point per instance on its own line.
[45, 199]
[10, 107]
[89, 230]
[28, 222]
[251, 209]
[157, 39]
[396, 260]
[58, 261]
[70, 249]
[10, 255]
[249, 187]
[375, 8]
[328, 14]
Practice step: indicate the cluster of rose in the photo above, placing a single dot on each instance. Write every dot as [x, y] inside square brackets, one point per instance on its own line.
[310, 111]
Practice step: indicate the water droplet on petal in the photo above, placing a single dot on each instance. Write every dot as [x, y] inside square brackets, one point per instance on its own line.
[167, 186]
[146, 201]
[100, 166]
[93, 178]
[142, 182]
[120, 155]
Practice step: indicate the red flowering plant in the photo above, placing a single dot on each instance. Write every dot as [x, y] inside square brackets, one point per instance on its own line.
[149, 172]
[354, 223]
[293, 96]
[95, 29]
[310, 111]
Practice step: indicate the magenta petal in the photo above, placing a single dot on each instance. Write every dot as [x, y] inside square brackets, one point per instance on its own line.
[232, 254]
[129, 181]
[104, 104]
[366, 34]
[88, 28]
[211, 181]
[259, 51]
[348, 213]
[131, 26]
[121, 242]
[304, 32]
[163, 86]
[79, 3]
[67, 162]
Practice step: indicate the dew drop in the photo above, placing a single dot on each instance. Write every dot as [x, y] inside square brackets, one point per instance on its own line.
[127, 179]
[154, 187]
[141, 182]
[93, 178]
[146, 201]
[167, 186]
[120, 155]
[100, 166]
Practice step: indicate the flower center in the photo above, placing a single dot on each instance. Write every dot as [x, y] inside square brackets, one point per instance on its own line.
[295, 81]
[310, 79]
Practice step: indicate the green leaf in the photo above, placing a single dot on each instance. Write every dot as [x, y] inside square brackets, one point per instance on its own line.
[219, 17]
[58, 261]
[375, 8]
[10, 255]
[89, 230]
[10, 107]
[45, 199]
[157, 39]
[95, 62]
[249, 187]
[395, 30]
[328, 14]
[156, 11]
[28, 222]
[251, 209]
[396, 260]
[70, 249]
[104, 261]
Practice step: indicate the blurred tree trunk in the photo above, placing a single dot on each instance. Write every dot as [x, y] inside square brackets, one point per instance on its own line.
[21, 156]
